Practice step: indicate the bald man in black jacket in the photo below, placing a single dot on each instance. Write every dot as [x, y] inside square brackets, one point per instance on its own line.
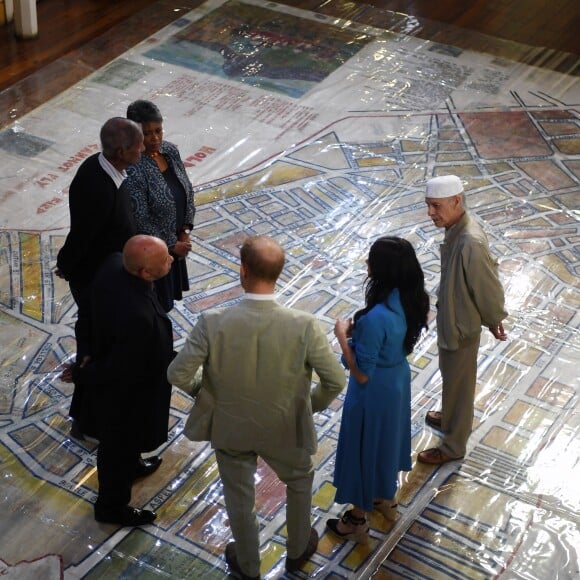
[126, 393]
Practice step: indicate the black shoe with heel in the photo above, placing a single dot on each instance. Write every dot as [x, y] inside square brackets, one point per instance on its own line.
[353, 529]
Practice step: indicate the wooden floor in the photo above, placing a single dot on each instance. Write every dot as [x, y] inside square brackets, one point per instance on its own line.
[63, 26]
[76, 38]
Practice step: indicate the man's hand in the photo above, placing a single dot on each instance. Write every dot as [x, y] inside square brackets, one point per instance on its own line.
[59, 273]
[498, 331]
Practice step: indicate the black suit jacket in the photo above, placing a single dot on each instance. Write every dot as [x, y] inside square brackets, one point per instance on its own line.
[101, 221]
[128, 395]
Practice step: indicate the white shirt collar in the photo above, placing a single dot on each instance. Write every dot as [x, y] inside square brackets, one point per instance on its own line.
[251, 296]
[117, 176]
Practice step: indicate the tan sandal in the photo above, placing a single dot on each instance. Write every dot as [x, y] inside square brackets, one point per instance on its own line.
[387, 507]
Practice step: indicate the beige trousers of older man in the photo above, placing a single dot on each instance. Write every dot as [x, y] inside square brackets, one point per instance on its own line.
[459, 372]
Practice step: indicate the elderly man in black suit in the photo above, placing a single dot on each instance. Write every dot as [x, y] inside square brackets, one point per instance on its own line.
[127, 395]
[101, 221]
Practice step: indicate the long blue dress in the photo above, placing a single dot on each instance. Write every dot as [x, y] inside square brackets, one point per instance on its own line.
[374, 443]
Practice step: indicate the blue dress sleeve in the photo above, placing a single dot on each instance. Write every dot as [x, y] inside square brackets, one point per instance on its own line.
[342, 358]
[370, 334]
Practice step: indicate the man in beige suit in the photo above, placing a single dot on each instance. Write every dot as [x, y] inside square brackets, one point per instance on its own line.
[256, 400]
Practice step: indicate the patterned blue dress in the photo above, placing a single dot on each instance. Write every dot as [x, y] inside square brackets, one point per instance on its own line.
[162, 204]
[374, 443]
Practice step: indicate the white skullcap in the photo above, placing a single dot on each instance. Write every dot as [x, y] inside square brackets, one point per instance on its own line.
[444, 186]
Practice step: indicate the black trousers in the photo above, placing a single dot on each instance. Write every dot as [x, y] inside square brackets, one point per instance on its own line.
[81, 294]
[116, 469]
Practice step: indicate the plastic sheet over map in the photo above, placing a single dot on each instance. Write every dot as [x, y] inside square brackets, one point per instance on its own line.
[321, 132]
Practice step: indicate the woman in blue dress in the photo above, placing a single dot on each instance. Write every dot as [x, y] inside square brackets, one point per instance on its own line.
[374, 443]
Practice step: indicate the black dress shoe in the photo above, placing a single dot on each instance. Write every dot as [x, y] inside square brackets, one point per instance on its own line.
[147, 466]
[232, 560]
[126, 516]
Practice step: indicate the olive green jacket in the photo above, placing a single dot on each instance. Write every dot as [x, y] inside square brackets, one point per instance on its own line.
[257, 359]
[470, 292]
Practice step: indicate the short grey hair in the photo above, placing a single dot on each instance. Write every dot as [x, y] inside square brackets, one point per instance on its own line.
[119, 133]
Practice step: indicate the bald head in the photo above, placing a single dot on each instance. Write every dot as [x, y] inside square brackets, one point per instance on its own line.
[262, 261]
[147, 257]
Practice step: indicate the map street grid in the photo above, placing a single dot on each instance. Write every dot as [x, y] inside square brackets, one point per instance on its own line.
[325, 166]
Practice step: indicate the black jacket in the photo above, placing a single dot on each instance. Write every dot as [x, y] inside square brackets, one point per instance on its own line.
[101, 221]
[128, 395]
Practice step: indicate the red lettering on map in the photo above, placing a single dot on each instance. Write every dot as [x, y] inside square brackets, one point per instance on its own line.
[199, 155]
[48, 204]
[46, 180]
[78, 157]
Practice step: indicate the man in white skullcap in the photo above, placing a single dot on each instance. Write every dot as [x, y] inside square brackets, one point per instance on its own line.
[470, 296]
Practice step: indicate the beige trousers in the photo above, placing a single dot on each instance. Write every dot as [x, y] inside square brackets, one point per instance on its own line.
[237, 469]
[459, 372]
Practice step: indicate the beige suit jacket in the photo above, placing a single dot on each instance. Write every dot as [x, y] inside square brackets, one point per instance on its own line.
[257, 360]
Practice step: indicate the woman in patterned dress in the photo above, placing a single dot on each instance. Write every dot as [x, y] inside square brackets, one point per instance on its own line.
[162, 198]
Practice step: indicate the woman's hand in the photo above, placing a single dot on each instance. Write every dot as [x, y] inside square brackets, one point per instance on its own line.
[343, 328]
[350, 325]
[340, 327]
[342, 331]
[181, 249]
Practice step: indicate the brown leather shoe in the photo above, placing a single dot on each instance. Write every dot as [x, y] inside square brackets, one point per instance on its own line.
[294, 564]
[435, 456]
[232, 561]
[433, 419]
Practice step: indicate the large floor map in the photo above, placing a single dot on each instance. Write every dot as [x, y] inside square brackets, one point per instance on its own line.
[321, 133]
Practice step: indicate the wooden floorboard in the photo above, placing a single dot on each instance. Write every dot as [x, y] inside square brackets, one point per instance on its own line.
[63, 27]
[76, 38]
[554, 25]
